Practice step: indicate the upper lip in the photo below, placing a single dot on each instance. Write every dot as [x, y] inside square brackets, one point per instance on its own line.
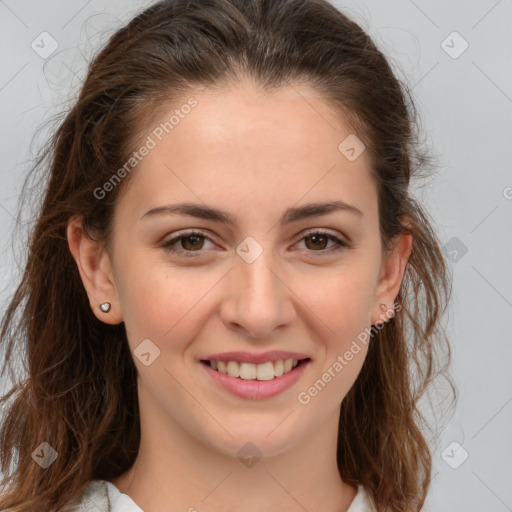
[255, 358]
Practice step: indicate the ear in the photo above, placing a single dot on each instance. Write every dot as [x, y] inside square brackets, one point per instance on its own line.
[94, 266]
[391, 276]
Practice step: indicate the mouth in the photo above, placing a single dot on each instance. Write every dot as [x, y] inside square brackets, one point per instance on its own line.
[266, 371]
[255, 381]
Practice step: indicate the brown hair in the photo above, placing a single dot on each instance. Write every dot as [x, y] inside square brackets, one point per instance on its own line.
[71, 399]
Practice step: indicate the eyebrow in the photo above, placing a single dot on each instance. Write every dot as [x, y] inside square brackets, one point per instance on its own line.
[290, 215]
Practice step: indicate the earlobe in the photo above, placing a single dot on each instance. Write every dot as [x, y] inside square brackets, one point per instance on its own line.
[391, 277]
[94, 267]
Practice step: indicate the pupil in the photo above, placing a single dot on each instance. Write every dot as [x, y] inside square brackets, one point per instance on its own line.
[193, 237]
[316, 237]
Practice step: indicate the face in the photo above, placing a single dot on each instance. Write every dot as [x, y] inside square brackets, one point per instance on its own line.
[262, 275]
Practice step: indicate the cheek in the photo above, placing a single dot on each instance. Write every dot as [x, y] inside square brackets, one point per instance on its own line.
[341, 297]
[345, 308]
[159, 302]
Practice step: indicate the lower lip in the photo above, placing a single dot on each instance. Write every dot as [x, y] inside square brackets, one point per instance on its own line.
[256, 389]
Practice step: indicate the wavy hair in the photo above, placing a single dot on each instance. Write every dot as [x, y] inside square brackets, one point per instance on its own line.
[70, 398]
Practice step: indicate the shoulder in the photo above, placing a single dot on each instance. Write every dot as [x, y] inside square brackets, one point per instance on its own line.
[103, 496]
[94, 498]
[362, 501]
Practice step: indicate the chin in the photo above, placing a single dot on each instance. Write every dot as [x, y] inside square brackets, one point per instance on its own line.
[255, 442]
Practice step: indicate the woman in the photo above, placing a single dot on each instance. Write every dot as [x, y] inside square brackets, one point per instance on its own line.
[231, 299]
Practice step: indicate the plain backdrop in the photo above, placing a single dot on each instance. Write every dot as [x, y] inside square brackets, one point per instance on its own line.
[457, 58]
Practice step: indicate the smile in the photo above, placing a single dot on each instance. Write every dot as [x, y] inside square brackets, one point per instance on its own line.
[251, 371]
[255, 381]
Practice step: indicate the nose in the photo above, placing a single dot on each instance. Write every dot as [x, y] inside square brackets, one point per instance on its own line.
[258, 298]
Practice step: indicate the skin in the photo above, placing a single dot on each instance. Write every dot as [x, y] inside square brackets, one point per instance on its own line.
[253, 154]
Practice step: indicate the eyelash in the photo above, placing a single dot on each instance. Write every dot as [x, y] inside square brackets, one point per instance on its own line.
[340, 244]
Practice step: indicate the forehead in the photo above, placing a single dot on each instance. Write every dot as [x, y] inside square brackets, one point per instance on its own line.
[241, 146]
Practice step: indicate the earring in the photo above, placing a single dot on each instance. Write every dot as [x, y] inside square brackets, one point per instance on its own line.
[105, 307]
[383, 307]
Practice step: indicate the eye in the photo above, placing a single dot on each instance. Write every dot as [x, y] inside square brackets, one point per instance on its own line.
[190, 243]
[319, 238]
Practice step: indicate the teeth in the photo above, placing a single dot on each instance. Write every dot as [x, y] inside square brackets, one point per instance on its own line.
[233, 369]
[265, 371]
[250, 371]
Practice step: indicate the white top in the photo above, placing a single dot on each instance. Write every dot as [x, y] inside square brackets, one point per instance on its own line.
[104, 496]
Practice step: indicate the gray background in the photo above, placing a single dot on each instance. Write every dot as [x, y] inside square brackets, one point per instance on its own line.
[465, 103]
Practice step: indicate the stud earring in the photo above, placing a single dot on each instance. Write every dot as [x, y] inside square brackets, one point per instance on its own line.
[383, 307]
[105, 307]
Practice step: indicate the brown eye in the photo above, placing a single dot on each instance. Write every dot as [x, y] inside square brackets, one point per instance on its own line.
[194, 245]
[317, 241]
[189, 242]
